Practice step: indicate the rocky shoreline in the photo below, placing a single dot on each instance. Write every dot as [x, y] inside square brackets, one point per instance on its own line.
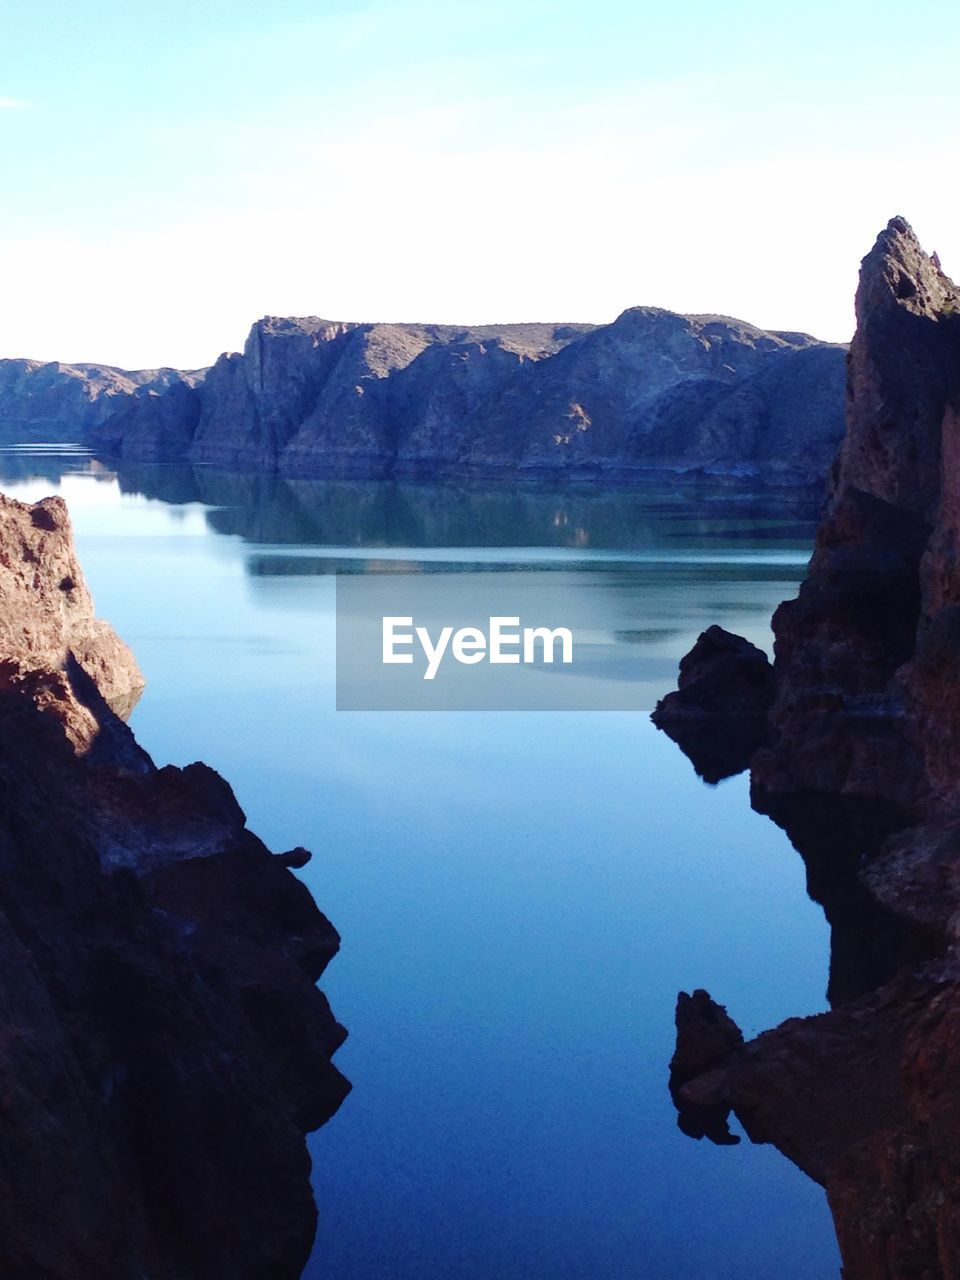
[166, 1048]
[856, 757]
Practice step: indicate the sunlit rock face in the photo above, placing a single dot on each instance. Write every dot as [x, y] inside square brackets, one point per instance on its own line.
[165, 1048]
[52, 645]
[861, 770]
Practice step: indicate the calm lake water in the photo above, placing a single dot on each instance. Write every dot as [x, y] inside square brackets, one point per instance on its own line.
[520, 895]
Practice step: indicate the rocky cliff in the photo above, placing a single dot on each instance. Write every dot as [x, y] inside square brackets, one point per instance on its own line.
[65, 402]
[854, 652]
[858, 762]
[165, 1048]
[311, 397]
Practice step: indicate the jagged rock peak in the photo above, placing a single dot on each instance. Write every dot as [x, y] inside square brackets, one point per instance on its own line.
[898, 273]
[903, 372]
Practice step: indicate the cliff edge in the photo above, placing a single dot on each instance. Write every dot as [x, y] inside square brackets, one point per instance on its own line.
[858, 761]
[165, 1048]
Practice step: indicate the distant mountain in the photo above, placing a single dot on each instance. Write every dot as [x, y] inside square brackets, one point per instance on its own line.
[312, 397]
[64, 402]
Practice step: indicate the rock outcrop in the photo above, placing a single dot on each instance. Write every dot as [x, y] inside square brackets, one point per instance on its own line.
[52, 645]
[165, 1048]
[309, 397]
[718, 713]
[863, 1100]
[656, 389]
[860, 653]
[861, 769]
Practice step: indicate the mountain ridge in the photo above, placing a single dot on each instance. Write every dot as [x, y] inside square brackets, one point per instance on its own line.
[309, 396]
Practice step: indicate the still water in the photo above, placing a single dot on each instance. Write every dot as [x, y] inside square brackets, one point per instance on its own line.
[520, 895]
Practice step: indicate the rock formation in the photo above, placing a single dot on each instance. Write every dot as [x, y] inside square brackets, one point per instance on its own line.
[656, 389]
[718, 712]
[860, 767]
[51, 641]
[165, 1048]
[859, 653]
[309, 397]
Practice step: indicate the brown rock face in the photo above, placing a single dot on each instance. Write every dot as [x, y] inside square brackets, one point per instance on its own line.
[52, 645]
[165, 1048]
[863, 771]
[904, 369]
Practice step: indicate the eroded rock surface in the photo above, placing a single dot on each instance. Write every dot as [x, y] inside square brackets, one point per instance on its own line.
[165, 1048]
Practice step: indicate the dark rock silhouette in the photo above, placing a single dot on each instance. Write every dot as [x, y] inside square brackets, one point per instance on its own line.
[859, 654]
[861, 769]
[165, 1049]
[718, 713]
[704, 1066]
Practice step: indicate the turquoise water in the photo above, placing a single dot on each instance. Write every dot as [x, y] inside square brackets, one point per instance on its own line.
[520, 896]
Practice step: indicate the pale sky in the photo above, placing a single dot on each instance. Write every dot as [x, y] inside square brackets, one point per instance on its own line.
[173, 171]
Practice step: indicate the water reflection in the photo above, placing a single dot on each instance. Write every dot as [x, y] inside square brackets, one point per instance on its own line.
[630, 570]
[635, 569]
[372, 513]
[836, 836]
[519, 897]
[268, 509]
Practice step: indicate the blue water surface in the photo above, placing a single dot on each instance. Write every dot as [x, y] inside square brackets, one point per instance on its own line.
[520, 896]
